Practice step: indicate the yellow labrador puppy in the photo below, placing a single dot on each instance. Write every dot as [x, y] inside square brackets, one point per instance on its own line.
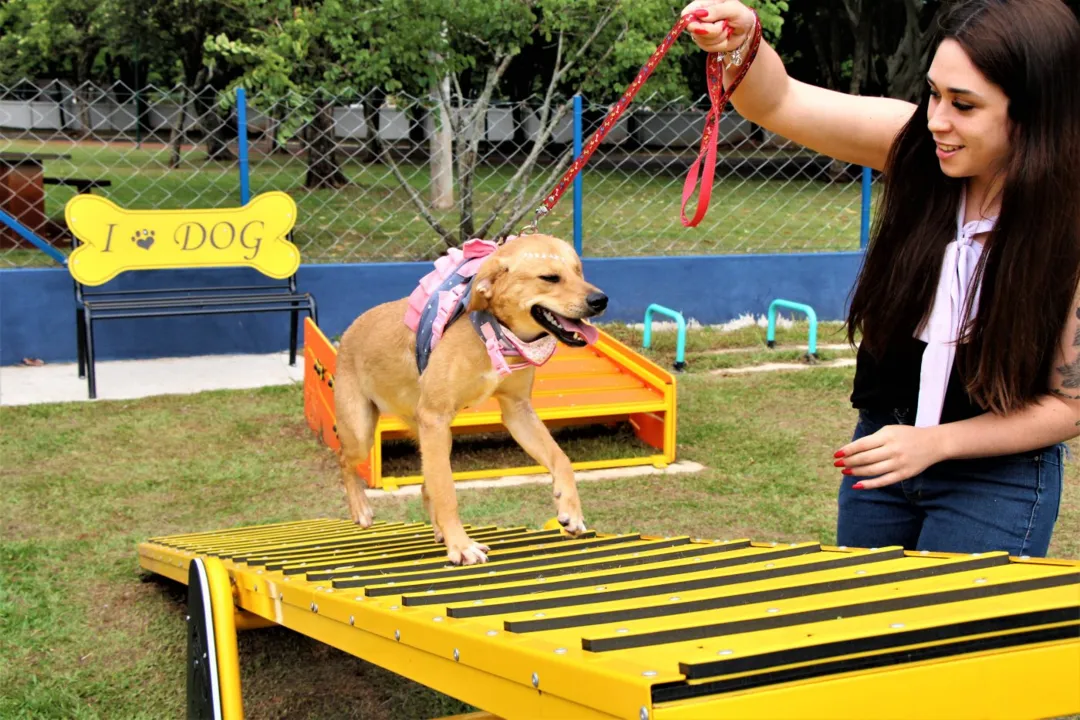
[476, 327]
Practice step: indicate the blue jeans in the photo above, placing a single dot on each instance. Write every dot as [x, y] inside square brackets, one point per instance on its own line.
[1008, 502]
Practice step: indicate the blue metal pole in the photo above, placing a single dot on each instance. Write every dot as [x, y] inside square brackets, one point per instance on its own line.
[577, 180]
[30, 237]
[242, 144]
[864, 233]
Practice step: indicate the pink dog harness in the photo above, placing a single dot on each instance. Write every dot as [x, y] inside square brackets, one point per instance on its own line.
[441, 298]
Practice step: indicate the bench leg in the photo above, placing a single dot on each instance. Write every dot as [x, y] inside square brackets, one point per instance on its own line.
[91, 378]
[80, 340]
[294, 321]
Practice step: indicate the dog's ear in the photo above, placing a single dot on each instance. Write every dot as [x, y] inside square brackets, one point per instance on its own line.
[484, 283]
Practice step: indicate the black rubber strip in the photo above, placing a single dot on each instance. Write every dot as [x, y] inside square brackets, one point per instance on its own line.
[351, 559]
[629, 576]
[781, 593]
[877, 643]
[670, 693]
[678, 586]
[355, 544]
[499, 559]
[700, 632]
[391, 557]
[539, 557]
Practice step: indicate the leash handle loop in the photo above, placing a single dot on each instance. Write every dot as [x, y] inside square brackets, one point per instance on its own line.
[711, 132]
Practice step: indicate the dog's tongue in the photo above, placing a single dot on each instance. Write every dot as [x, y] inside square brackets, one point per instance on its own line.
[585, 330]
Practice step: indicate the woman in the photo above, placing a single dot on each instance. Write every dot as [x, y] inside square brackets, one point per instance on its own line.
[968, 370]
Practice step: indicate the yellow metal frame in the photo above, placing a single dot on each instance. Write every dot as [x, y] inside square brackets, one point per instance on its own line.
[548, 674]
[320, 367]
[219, 586]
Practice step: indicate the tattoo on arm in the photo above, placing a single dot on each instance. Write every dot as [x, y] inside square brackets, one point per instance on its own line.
[1064, 396]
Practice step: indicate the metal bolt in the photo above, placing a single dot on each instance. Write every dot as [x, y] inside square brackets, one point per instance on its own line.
[773, 610]
[539, 615]
[725, 652]
[478, 602]
[674, 598]
[457, 655]
[560, 651]
[980, 581]
[924, 552]
[649, 673]
[281, 596]
[359, 598]
[352, 620]
[397, 635]
[535, 680]
[622, 631]
[492, 633]
[393, 607]
[644, 714]
[436, 619]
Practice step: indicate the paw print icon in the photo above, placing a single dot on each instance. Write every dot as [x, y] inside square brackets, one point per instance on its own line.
[143, 238]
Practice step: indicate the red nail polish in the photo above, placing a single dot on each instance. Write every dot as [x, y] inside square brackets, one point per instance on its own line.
[857, 486]
[699, 31]
[838, 454]
[838, 463]
[729, 31]
[724, 26]
[847, 471]
[701, 12]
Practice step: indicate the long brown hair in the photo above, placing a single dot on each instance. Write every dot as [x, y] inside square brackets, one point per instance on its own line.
[1031, 262]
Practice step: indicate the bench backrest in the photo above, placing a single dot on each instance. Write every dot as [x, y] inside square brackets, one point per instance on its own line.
[114, 240]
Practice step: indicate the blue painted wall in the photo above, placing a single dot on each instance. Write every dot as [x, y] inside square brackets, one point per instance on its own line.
[37, 308]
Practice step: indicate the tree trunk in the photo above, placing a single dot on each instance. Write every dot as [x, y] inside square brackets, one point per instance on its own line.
[373, 148]
[442, 152]
[213, 126]
[177, 138]
[323, 170]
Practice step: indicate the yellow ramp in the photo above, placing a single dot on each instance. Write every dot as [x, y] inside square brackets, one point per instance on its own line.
[639, 627]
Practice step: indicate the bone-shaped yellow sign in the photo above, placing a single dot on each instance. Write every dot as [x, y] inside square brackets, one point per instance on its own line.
[116, 240]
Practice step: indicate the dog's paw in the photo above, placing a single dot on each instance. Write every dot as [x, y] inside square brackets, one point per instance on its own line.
[364, 517]
[569, 513]
[467, 552]
[438, 536]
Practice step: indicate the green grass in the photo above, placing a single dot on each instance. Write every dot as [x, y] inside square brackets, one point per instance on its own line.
[372, 218]
[84, 633]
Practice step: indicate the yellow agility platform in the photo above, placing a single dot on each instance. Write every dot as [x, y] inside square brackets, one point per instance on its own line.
[641, 627]
[605, 383]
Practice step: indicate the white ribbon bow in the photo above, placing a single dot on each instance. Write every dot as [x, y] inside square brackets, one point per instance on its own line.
[942, 329]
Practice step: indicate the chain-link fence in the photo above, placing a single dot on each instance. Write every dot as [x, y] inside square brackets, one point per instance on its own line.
[381, 177]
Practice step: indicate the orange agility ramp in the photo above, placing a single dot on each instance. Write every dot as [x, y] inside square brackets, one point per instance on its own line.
[601, 384]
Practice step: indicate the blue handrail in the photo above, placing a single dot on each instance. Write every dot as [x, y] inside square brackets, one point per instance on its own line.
[680, 348]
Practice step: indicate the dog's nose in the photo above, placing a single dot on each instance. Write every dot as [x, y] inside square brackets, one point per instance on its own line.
[596, 301]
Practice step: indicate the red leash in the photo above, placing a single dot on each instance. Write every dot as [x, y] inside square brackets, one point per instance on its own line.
[714, 72]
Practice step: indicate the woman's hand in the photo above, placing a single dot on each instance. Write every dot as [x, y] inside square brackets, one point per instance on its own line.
[895, 453]
[723, 25]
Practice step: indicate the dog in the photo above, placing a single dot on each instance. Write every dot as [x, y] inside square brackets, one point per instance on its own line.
[530, 291]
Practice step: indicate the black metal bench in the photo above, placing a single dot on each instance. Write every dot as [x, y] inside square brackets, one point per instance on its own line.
[93, 305]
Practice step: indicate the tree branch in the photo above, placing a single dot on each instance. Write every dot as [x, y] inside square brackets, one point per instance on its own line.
[522, 210]
[418, 202]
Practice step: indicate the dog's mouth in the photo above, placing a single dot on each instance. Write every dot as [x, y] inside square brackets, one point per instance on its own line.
[575, 333]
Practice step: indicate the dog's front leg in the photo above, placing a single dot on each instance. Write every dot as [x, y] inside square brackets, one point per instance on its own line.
[435, 444]
[535, 439]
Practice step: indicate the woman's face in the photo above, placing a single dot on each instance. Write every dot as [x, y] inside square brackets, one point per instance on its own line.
[968, 115]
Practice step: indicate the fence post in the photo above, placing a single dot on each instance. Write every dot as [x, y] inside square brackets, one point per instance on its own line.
[242, 144]
[864, 233]
[577, 180]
